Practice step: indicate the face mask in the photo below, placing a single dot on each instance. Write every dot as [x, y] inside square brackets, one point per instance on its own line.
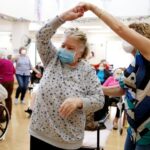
[127, 47]
[23, 52]
[101, 68]
[66, 56]
[117, 77]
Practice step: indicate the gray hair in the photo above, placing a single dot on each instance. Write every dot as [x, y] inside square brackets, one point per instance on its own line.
[81, 37]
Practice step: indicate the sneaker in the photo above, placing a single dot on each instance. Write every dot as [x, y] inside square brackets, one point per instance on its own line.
[16, 101]
[29, 111]
[22, 101]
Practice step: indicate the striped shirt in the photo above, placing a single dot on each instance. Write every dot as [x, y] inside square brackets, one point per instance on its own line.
[136, 83]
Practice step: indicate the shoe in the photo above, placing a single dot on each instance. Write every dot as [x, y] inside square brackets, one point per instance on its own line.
[29, 111]
[16, 101]
[22, 101]
[115, 125]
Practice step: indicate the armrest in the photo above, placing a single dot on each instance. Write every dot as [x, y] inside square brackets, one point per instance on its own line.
[103, 119]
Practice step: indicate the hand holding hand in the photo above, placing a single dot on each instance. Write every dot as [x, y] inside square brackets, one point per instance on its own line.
[85, 6]
[72, 14]
[69, 106]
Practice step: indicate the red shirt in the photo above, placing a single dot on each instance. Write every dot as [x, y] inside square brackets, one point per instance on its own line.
[7, 70]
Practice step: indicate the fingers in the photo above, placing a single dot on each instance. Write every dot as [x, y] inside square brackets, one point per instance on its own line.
[66, 109]
[86, 6]
[66, 112]
[79, 11]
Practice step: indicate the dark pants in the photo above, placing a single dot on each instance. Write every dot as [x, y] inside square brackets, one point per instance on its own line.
[8, 102]
[130, 145]
[113, 102]
[23, 82]
[34, 143]
[98, 115]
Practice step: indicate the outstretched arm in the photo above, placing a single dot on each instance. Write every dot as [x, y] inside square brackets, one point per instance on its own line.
[138, 41]
[72, 14]
[45, 47]
[113, 91]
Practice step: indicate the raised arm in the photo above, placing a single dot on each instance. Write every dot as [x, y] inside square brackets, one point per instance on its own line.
[113, 91]
[138, 41]
[44, 45]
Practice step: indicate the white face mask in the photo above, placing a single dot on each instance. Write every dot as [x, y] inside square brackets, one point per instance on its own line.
[127, 47]
[101, 68]
[23, 52]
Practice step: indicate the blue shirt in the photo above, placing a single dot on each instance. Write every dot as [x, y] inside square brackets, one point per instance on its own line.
[101, 75]
[136, 83]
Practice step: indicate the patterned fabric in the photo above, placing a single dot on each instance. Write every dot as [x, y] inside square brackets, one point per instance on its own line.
[59, 82]
[136, 83]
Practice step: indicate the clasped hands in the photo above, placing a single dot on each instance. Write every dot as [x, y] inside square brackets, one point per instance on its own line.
[76, 12]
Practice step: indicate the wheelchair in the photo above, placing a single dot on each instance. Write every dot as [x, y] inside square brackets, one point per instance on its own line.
[4, 120]
[96, 128]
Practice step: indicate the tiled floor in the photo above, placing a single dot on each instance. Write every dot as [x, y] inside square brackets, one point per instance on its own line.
[17, 137]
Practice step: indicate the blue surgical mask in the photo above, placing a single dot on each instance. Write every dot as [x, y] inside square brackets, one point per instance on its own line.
[66, 56]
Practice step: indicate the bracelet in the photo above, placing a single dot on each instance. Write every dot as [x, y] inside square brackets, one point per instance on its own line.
[60, 19]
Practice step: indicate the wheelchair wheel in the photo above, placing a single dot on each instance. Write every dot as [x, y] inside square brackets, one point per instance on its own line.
[4, 120]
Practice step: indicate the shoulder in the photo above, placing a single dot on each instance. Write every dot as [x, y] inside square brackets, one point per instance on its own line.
[86, 67]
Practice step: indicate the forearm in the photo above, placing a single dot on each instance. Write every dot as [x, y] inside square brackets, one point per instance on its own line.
[92, 103]
[45, 47]
[134, 38]
[48, 30]
[110, 20]
[113, 91]
[35, 70]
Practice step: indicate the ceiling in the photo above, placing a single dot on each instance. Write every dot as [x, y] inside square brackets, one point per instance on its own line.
[41, 10]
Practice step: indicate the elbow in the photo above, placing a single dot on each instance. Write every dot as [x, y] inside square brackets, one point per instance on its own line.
[38, 35]
[102, 101]
[119, 29]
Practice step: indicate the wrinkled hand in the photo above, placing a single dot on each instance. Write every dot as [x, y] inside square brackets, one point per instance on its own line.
[85, 6]
[69, 106]
[72, 14]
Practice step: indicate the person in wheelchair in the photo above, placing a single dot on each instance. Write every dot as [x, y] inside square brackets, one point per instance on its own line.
[113, 101]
